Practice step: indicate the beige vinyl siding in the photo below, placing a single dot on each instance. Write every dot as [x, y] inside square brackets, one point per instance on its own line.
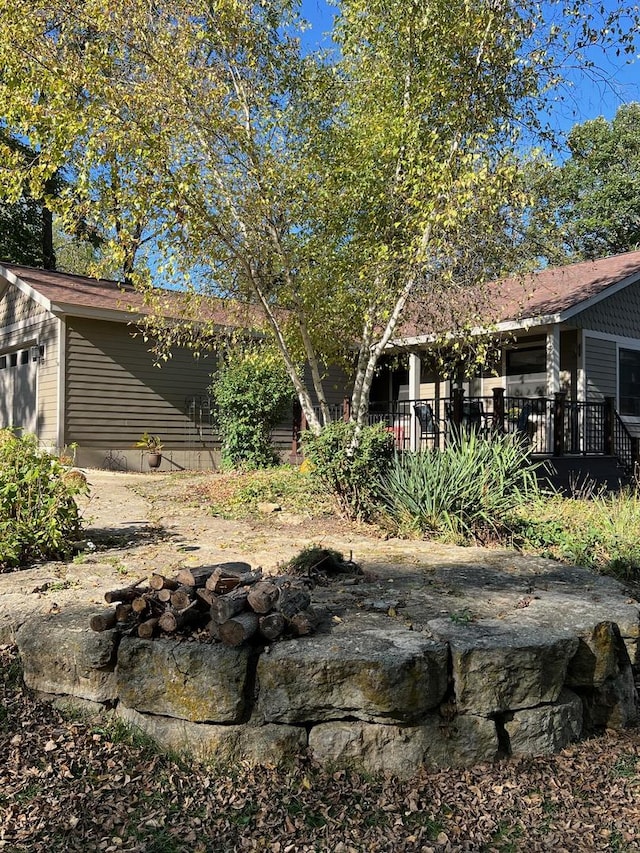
[336, 388]
[491, 382]
[48, 382]
[114, 393]
[23, 324]
[15, 307]
[601, 368]
[616, 315]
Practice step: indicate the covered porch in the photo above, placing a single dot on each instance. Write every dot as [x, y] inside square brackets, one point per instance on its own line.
[548, 385]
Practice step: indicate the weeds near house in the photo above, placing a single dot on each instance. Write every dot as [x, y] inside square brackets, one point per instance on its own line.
[38, 514]
[237, 495]
[469, 490]
[601, 533]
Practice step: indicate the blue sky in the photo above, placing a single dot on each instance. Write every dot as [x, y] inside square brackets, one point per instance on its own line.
[584, 99]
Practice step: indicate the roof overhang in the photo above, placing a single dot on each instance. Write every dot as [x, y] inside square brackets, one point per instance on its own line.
[542, 321]
[114, 315]
[506, 327]
[10, 278]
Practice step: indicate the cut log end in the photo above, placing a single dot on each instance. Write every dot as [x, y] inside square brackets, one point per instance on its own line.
[103, 621]
[238, 629]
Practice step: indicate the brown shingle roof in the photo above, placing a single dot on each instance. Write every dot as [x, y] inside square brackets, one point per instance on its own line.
[548, 292]
[79, 294]
[553, 292]
[558, 289]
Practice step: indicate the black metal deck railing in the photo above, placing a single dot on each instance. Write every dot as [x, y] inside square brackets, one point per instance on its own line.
[552, 425]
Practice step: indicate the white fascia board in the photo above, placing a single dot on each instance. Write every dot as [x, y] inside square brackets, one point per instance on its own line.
[25, 288]
[506, 326]
[61, 390]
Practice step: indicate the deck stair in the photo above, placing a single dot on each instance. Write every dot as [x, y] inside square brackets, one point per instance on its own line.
[583, 476]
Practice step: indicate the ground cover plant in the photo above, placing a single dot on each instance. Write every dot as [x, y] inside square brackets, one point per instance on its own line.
[88, 785]
[39, 517]
[237, 494]
[601, 532]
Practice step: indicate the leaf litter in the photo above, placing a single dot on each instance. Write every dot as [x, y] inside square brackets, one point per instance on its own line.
[83, 784]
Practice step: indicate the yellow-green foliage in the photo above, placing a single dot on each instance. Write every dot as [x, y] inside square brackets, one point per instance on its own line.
[38, 514]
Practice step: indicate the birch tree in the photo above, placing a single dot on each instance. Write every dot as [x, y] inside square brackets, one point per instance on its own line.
[340, 195]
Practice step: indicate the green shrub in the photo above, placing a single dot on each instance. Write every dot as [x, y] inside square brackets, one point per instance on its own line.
[352, 477]
[467, 490]
[38, 514]
[253, 393]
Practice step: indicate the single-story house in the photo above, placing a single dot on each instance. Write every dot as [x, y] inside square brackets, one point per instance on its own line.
[74, 372]
[568, 333]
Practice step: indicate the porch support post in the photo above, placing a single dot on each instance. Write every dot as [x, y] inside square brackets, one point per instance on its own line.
[498, 410]
[414, 394]
[553, 383]
[558, 423]
[553, 360]
[458, 406]
[609, 415]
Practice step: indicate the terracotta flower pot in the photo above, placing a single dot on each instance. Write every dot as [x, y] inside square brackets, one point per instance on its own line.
[154, 460]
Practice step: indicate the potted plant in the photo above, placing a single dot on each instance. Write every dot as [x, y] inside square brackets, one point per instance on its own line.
[153, 447]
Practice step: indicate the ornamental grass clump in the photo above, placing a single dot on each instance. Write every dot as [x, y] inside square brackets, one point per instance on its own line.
[466, 491]
[39, 517]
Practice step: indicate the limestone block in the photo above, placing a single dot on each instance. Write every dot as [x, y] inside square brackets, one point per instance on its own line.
[633, 650]
[612, 704]
[498, 667]
[402, 751]
[270, 744]
[192, 681]
[61, 654]
[601, 655]
[546, 729]
[372, 674]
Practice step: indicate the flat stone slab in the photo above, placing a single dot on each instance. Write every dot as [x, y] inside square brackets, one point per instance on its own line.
[437, 655]
[497, 667]
[379, 674]
[269, 744]
[61, 654]
[400, 751]
[189, 680]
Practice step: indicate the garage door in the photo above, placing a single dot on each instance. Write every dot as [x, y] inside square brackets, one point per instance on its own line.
[18, 373]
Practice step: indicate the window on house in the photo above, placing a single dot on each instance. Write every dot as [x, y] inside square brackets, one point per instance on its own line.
[24, 356]
[629, 381]
[526, 360]
[13, 359]
[3, 362]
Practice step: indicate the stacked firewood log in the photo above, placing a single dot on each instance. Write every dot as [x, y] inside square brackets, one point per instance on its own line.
[230, 600]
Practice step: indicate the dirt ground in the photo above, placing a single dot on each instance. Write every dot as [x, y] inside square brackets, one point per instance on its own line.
[135, 524]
